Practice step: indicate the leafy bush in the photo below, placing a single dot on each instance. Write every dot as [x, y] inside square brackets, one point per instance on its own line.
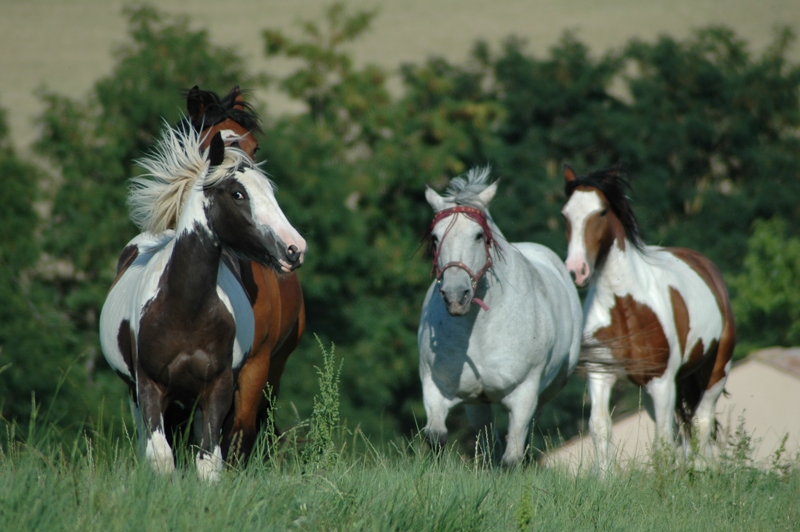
[767, 303]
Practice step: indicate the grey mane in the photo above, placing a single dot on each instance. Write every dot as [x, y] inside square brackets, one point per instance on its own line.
[464, 190]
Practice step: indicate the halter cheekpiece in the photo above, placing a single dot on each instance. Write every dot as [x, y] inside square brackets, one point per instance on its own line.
[478, 217]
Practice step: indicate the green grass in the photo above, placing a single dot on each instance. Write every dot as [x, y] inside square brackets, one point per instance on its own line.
[340, 481]
[98, 485]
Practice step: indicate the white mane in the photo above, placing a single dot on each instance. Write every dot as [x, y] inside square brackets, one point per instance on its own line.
[176, 164]
[464, 190]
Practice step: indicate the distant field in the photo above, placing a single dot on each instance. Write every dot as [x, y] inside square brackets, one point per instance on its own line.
[67, 45]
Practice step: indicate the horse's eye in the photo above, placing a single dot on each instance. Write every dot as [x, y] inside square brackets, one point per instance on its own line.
[237, 196]
[604, 212]
[478, 237]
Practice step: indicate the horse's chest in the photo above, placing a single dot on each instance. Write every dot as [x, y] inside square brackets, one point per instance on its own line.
[194, 346]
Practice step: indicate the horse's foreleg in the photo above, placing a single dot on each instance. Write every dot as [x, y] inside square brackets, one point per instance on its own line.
[600, 384]
[437, 406]
[215, 404]
[151, 422]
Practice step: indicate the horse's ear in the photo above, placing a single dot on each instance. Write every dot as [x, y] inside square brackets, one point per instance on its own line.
[216, 150]
[434, 199]
[569, 173]
[194, 102]
[487, 195]
[236, 97]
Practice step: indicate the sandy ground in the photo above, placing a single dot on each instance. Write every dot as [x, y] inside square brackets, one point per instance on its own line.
[66, 45]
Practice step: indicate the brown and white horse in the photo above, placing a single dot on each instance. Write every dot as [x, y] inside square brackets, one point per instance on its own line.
[177, 324]
[277, 298]
[661, 314]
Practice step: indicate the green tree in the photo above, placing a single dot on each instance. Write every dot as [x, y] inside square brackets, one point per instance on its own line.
[767, 302]
[34, 339]
[94, 142]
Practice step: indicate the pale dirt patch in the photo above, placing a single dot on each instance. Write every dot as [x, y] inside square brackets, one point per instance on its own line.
[67, 45]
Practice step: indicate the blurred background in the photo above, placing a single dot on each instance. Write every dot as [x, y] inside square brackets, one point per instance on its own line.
[363, 104]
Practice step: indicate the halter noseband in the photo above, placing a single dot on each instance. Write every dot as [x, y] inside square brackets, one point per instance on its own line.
[478, 217]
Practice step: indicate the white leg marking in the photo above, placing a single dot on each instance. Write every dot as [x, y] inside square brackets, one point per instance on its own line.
[159, 454]
[209, 466]
[600, 385]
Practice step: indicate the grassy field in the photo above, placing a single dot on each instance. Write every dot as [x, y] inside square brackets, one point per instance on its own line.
[98, 485]
[329, 478]
[68, 45]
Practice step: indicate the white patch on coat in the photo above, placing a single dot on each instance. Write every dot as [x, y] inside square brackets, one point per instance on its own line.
[131, 293]
[158, 453]
[265, 209]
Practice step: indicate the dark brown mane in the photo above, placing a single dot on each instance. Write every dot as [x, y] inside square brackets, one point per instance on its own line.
[613, 183]
[216, 110]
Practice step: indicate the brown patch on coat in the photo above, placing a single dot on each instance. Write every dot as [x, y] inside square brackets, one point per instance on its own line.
[636, 339]
[681, 314]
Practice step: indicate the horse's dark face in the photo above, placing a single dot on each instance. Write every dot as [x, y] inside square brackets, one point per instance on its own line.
[243, 212]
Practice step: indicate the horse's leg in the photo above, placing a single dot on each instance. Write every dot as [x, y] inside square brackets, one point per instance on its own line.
[705, 415]
[437, 406]
[482, 420]
[214, 404]
[151, 408]
[521, 405]
[600, 384]
[663, 393]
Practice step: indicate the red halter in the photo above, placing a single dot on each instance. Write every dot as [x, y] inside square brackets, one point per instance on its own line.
[478, 217]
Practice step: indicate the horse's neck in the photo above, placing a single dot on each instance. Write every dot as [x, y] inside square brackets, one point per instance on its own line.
[195, 260]
[623, 270]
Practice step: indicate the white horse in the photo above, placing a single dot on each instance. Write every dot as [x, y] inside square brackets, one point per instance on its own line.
[517, 346]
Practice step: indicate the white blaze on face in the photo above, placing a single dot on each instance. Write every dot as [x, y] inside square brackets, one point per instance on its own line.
[582, 205]
[267, 214]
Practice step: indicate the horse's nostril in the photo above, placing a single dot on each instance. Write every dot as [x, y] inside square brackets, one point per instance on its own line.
[293, 253]
[583, 269]
[572, 274]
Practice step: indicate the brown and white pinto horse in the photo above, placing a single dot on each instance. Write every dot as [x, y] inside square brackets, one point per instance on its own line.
[177, 324]
[277, 298]
[661, 314]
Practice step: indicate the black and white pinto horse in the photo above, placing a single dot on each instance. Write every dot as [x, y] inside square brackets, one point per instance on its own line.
[177, 324]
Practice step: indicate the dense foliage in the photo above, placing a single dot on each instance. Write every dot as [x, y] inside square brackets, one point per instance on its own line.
[707, 131]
